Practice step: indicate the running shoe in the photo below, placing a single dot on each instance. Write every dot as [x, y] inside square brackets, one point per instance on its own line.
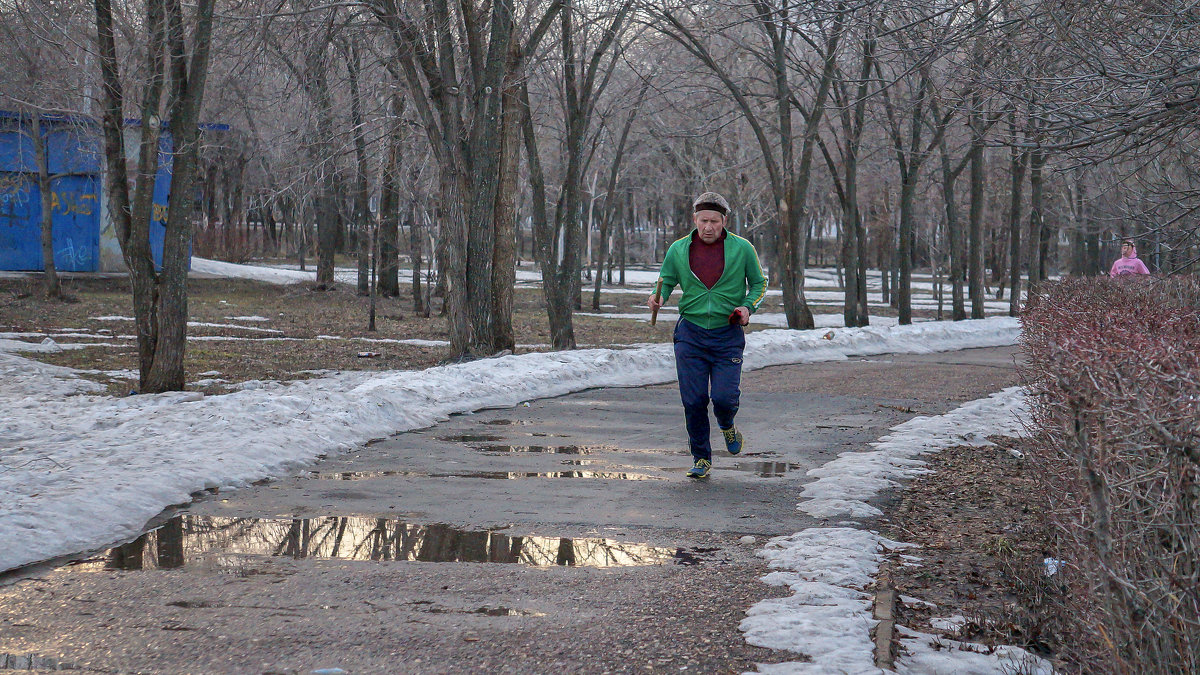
[700, 469]
[733, 440]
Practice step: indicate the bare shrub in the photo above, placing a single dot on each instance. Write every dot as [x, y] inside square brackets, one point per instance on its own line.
[1114, 373]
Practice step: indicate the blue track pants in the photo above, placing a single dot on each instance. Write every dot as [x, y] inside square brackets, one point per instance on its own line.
[709, 363]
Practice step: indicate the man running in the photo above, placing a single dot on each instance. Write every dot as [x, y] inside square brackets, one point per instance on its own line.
[723, 284]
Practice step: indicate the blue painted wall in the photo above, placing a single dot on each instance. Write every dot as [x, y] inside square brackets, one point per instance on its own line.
[75, 153]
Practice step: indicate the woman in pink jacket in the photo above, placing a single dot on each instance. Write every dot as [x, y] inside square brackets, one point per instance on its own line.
[1128, 263]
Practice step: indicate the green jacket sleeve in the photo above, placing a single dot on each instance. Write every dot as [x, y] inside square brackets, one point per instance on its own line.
[669, 273]
[756, 280]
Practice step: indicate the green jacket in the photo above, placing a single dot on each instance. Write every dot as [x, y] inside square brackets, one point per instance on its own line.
[742, 284]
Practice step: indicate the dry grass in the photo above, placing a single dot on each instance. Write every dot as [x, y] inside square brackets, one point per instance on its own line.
[301, 315]
[982, 544]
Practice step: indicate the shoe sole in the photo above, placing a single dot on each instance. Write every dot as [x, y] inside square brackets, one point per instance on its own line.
[697, 476]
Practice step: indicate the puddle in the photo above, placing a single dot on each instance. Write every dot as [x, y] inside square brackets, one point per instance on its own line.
[695, 555]
[556, 449]
[486, 611]
[491, 475]
[224, 543]
[471, 438]
[32, 662]
[767, 469]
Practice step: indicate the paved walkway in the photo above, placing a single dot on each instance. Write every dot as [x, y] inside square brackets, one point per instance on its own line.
[558, 537]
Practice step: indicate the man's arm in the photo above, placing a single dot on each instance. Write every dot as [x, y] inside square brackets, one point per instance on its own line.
[670, 279]
[757, 282]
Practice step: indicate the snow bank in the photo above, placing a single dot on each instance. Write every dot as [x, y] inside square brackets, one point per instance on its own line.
[83, 471]
[270, 275]
[845, 484]
[828, 616]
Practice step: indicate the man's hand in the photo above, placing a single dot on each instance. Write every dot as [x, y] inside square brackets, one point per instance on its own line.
[654, 302]
[743, 316]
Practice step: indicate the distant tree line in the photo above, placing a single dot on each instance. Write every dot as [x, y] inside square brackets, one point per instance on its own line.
[992, 143]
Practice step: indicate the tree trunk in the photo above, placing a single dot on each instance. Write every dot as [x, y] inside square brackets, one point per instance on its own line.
[975, 233]
[362, 212]
[1017, 161]
[389, 217]
[504, 257]
[545, 241]
[46, 190]
[1037, 252]
[415, 248]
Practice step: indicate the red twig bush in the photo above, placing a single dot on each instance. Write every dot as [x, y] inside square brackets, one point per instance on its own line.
[1114, 375]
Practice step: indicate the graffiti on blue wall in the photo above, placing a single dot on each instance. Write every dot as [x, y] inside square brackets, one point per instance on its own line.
[73, 149]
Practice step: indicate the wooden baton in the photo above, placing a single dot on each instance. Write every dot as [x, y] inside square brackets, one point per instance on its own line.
[657, 297]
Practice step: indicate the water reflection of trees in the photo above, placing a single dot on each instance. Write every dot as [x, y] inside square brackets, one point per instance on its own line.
[499, 475]
[186, 539]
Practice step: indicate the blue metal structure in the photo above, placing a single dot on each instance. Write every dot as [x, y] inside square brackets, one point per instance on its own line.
[75, 159]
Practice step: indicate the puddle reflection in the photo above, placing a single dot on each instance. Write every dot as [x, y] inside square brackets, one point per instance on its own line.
[491, 475]
[767, 469]
[471, 438]
[554, 449]
[226, 542]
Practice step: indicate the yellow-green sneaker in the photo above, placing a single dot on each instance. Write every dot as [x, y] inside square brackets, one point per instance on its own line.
[700, 469]
[733, 440]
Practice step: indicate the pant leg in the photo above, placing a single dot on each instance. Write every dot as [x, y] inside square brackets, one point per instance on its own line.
[726, 374]
[693, 366]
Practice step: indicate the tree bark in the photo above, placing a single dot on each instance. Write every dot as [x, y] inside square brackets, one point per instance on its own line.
[389, 209]
[362, 212]
[504, 257]
[975, 231]
[1017, 163]
[185, 100]
[46, 190]
[1037, 252]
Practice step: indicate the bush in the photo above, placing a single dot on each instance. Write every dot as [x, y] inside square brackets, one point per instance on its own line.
[1114, 376]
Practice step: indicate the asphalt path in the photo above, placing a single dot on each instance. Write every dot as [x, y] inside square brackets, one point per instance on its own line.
[557, 536]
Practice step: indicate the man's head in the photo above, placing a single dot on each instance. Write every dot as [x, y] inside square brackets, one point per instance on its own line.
[709, 213]
[1127, 248]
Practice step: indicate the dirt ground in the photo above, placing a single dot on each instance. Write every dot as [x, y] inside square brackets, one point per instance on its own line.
[982, 547]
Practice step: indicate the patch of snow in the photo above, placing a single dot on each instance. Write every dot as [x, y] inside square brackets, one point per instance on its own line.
[208, 382]
[48, 345]
[111, 318]
[202, 324]
[425, 343]
[828, 616]
[246, 318]
[933, 655]
[949, 624]
[269, 275]
[232, 338]
[916, 602]
[125, 374]
[845, 484]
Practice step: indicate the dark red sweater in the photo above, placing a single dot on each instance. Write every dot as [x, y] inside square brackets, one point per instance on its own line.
[707, 260]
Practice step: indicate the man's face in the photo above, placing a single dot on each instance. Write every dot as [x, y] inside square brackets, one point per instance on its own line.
[709, 225]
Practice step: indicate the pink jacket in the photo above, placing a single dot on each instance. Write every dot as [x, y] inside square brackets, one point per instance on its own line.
[1128, 265]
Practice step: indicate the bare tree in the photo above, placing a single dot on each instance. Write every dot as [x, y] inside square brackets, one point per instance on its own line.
[174, 82]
